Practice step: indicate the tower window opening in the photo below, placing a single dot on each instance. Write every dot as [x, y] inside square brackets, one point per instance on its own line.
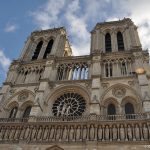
[37, 50]
[48, 48]
[27, 112]
[120, 41]
[108, 43]
[13, 112]
[108, 70]
[111, 110]
[129, 111]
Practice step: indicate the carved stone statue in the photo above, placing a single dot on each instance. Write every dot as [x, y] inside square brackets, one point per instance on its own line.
[78, 133]
[84, 133]
[65, 134]
[12, 133]
[46, 133]
[129, 132]
[33, 134]
[92, 132]
[100, 133]
[63, 109]
[114, 133]
[145, 132]
[58, 110]
[68, 110]
[39, 134]
[71, 134]
[17, 133]
[23, 129]
[2, 132]
[52, 133]
[27, 132]
[7, 133]
[107, 132]
[122, 133]
[137, 132]
[58, 133]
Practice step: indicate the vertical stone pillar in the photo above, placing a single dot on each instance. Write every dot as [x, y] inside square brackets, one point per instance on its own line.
[43, 49]
[26, 47]
[95, 75]
[97, 40]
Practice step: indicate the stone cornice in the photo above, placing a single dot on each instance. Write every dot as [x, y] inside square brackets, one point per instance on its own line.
[26, 85]
[84, 58]
[49, 31]
[125, 21]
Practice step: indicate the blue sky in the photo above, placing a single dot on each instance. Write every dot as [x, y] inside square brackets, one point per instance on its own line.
[19, 18]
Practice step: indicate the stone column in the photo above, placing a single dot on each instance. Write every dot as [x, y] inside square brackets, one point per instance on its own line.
[43, 49]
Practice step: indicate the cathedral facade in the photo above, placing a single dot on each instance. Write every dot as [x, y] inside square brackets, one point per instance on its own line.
[52, 100]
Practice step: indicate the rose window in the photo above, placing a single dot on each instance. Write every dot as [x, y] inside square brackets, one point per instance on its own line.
[69, 104]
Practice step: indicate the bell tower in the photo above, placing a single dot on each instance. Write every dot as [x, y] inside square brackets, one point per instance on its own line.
[115, 36]
[42, 44]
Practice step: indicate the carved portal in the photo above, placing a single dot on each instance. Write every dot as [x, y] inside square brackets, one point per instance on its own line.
[119, 92]
[23, 96]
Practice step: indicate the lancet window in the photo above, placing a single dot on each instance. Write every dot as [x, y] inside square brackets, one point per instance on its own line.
[78, 71]
[13, 112]
[117, 67]
[30, 74]
[108, 47]
[48, 48]
[120, 41]
[37, 50]
[27, 112]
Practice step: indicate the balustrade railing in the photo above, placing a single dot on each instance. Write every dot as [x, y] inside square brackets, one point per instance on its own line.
[86, 128]
[73, 71]
[92, 117]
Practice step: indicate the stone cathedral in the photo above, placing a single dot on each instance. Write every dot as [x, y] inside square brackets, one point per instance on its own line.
[52, 100]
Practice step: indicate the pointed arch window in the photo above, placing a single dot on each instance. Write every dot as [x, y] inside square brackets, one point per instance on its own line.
[13, 112]
[48, 48]
[108, 43]
[120, 41]
[37, 50]
[129, 111]
[111, 110]
[27, 112]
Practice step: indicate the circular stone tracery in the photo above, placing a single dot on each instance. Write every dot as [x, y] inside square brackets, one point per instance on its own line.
[69, 104]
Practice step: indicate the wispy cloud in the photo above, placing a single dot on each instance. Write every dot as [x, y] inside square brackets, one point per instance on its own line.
[4, 61]
[79, 17]
[48, 14]
[10, 27]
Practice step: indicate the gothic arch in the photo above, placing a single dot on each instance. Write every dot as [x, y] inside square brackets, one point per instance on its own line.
[14, 97]
[65, 89]
[23, 91]
[135, 102]
[55, 147]
[12, 105]
[49, 48]
[39, 39]
[134, 93]
[26, 104]
[108, 102]
[51, 38]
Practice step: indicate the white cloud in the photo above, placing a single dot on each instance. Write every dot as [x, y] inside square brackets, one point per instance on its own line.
[47, 15]
[79, 16]
[10, 27]
[4, 61]
[139, 12]
[77, 27]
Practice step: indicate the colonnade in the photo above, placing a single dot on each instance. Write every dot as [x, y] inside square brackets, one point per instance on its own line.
[30, 74]
[117, 68]
[78, 71]
[76, 132]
